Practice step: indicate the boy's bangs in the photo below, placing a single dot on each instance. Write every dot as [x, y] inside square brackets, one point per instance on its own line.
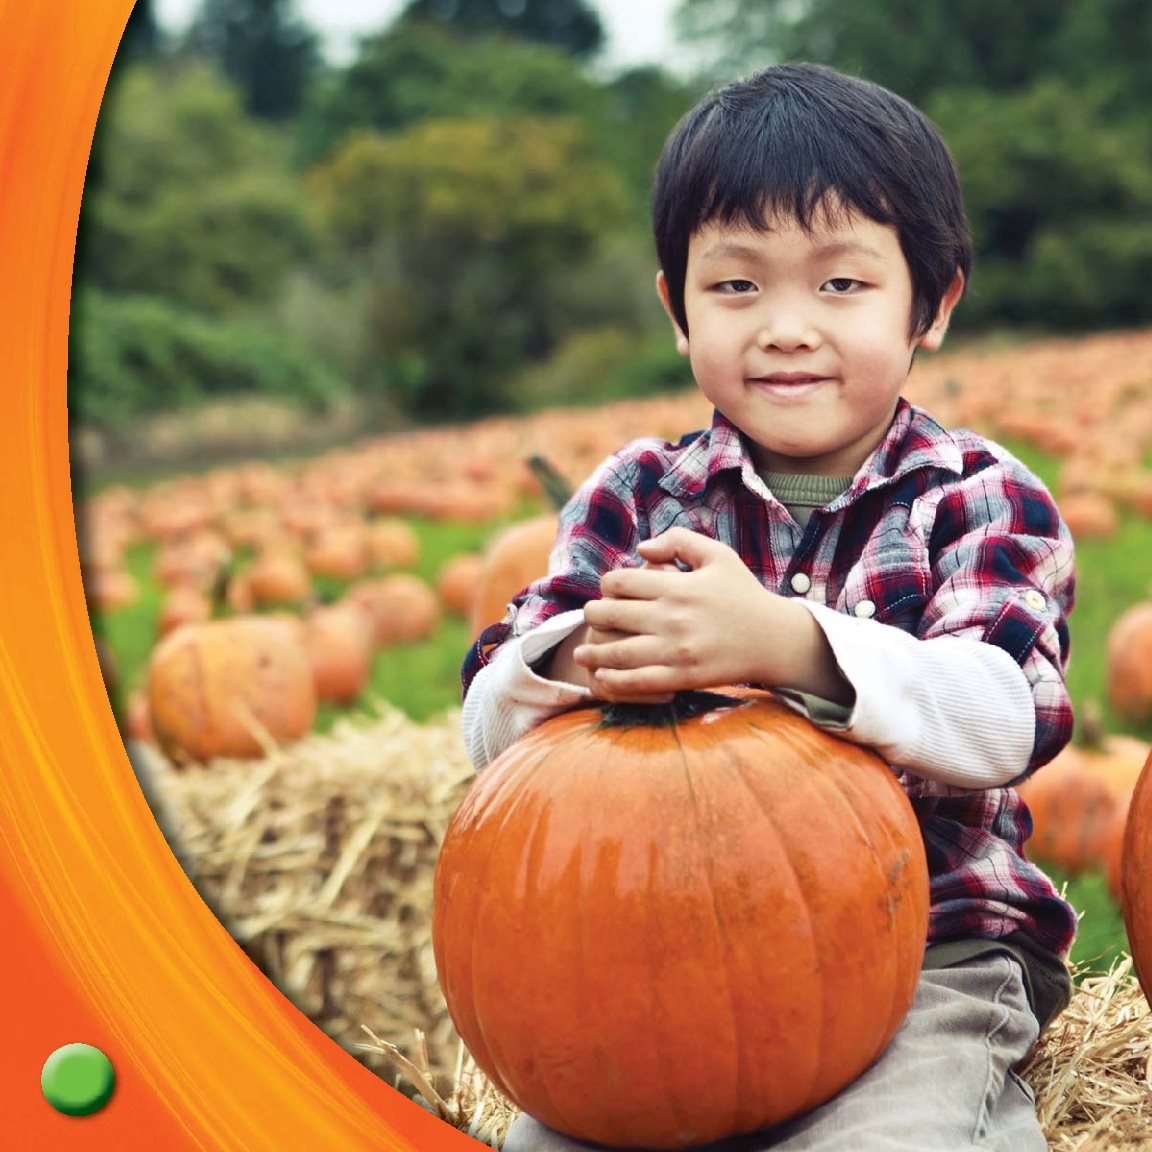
[796, 171]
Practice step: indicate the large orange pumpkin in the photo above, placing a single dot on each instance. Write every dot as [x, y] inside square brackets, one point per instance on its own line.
[659, 933]
[1136, 879]
[214, 688]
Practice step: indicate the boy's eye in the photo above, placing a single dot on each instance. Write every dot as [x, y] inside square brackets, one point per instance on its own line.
[736, 287]
[841, 285]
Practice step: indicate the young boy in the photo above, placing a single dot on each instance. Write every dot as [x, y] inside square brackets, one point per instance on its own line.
[904, 586]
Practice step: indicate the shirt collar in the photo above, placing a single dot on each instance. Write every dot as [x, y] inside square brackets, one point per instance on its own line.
[913, 440]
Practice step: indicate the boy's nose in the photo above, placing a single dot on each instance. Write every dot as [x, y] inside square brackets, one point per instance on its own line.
[787, 334]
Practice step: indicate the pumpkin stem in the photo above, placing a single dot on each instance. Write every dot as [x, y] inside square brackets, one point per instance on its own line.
[221, 584]
[556, 487]
[682, 706]
[1090, 727]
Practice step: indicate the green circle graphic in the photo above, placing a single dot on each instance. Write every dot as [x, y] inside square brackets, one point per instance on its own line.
[77, 1079]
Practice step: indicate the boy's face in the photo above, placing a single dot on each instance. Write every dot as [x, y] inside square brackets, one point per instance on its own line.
[801, 338]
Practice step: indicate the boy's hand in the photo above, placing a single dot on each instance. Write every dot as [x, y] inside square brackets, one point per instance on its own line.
[659, 630]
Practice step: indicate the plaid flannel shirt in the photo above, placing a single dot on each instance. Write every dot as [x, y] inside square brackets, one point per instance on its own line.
[943, 533]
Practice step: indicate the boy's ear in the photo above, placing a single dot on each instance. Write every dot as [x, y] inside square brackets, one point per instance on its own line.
[662, 292]
[934, 337]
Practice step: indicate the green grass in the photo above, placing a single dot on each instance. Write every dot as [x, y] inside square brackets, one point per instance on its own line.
[422, 679]
[1101, 937]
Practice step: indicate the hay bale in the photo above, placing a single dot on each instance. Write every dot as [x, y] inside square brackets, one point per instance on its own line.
[319, 859]
[1091, 1072]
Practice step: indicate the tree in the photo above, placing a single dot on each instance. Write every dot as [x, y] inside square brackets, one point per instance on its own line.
[643, 106]
[467, 231]
[570, 25]
[268, 53]
[424, 72]
[189, 234]
[918, 47]
[1060, 202]
[194, 201]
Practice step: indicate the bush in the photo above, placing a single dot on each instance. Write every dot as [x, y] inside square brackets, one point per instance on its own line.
[601, 365]
[135, 356]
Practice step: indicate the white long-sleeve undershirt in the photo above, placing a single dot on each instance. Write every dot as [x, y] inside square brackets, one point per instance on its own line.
[955, 711]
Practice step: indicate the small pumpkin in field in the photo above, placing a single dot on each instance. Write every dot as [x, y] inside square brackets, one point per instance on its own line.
[337, 551]
[110, 589]
[1077, 799]
[1090, 515]
[137, 721]
[519, 554]
[339, 641]
[213, 688]
[516, 557]
[278, 576]
[391, 542]
[456, 582]
[660, 926]
[184, 604]
[402, 607]
[1136, 879]
[1129, 663]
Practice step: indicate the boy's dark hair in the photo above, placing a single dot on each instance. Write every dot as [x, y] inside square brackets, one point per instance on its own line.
[799, 139]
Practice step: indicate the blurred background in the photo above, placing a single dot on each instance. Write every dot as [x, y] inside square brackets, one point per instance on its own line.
[361, 215]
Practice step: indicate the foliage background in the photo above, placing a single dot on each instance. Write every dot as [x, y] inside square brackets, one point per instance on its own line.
[453, 222]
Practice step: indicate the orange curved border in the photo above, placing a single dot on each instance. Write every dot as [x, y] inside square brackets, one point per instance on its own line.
[104, 939]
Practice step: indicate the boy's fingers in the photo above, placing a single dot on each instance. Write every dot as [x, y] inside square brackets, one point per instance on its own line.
[645, 583]
[642, 685]
[627, 652]
[680, 547]
[616, 615]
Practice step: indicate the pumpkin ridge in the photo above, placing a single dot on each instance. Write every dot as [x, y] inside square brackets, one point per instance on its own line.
[481, 796]
[836, 788]
[779, 829]
[741, 1064]
[718, 920]
[514, 786]
[831, 784]
[535, 755]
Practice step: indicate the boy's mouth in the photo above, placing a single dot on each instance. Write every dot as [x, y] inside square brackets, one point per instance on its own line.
[791, 384]
[791, 378]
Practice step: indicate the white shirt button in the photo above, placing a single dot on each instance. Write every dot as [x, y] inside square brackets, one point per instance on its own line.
[1034, 599]
[800, 583]
[864, 609]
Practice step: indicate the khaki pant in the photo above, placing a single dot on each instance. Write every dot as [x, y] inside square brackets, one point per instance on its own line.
[945, 1083]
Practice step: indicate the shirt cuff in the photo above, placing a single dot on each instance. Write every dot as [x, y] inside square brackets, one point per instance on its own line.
[508, 698]
[953, 710]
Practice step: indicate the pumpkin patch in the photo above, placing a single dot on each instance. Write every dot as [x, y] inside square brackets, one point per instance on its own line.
[312, 543]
